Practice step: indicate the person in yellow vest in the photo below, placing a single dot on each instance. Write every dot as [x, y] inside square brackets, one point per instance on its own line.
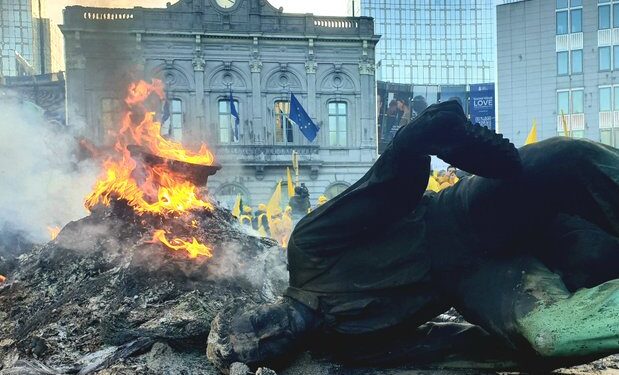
[451, 175]
[277, 226]
[261, 222]
[246, 218]
[433, 185]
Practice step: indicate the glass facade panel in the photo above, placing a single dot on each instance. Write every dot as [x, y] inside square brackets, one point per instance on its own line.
[576, 3]
[578, 101]
[606, 103]
[433, 42]
[604, 17]
[577, 61]
[562, 22]
[606, 136]
[563, 102]
[576, 24]
[562, 63]
[616, 98]
[604, 57]
[562, 4]
[616, 15]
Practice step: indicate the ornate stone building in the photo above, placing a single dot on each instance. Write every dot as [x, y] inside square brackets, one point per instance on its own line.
[203, 49]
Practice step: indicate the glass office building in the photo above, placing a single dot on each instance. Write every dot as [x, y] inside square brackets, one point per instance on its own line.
[432, 42]
[29, 42]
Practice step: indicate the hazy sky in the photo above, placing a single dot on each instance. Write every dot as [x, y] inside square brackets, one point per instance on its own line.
[321, 7]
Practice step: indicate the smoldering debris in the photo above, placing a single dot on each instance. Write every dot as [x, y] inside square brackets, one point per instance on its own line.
[101, 293]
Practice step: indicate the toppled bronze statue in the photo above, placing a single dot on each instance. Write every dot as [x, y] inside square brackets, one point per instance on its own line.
[528, 250]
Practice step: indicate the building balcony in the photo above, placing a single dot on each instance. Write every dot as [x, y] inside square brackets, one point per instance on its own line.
[574, 121]
[567, 42]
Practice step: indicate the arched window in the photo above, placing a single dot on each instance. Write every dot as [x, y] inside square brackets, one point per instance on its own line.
[172, 120]
[283, 125]
[335, 189]
[226, 195]
[226, 121]
[338, 123]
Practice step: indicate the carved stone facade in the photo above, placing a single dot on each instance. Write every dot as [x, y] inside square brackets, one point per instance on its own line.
[203, 51]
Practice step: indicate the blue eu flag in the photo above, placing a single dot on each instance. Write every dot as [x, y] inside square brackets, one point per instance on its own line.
[302, 119]
[234, 114]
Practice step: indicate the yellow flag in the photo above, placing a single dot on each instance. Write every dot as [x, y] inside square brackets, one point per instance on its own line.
[236, 209]
[274, 203]
[290, 183]
[566, 131]
[532, 137]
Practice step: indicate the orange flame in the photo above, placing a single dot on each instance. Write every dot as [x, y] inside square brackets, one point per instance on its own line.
[159, 191]
[193, 248]
[2, 278]
[53, 232]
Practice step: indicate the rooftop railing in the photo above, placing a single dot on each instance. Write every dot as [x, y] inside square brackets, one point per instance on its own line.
[85, 18]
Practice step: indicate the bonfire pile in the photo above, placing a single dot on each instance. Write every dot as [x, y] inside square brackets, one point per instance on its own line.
[145, 272]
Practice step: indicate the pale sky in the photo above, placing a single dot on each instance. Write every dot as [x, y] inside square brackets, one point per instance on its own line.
[319, 7]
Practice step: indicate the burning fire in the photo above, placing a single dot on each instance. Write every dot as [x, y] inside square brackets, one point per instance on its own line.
[157, 189]
[193, 248]
[2, 278]
[53, 232]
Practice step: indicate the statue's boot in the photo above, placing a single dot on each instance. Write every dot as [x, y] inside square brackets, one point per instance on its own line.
[443, 130]
[263, 334]
[584, 324]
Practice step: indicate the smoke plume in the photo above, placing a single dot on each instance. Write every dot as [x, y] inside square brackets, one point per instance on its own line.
[41, 183]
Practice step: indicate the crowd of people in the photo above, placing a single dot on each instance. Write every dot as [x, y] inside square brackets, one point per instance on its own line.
[440, 180]
[277, 223]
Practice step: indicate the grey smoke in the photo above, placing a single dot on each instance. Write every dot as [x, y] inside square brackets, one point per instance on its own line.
[41, 182]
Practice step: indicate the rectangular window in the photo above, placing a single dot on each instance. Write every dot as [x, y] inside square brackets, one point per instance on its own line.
[576, 3]
[577, 61]
[616, 98]
[576, 24]
[578, 133]
[615, 57]
[562, 22]
[338, 123]
[606, 103]
[283, 125]
[578, 101]
[604, 17]
[562, 4]
[226, 121]
[606, 136]
[562, 63]
[110, 108]
[563, 102]
[616, 15]
[604, 56]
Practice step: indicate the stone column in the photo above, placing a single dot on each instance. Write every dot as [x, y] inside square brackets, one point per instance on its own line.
[368, 100]
[198, 131]
[76, 96]
[255, 67]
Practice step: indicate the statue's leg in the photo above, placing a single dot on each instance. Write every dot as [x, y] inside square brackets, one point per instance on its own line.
[529, 306]
[577, 177]
[581, 252]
